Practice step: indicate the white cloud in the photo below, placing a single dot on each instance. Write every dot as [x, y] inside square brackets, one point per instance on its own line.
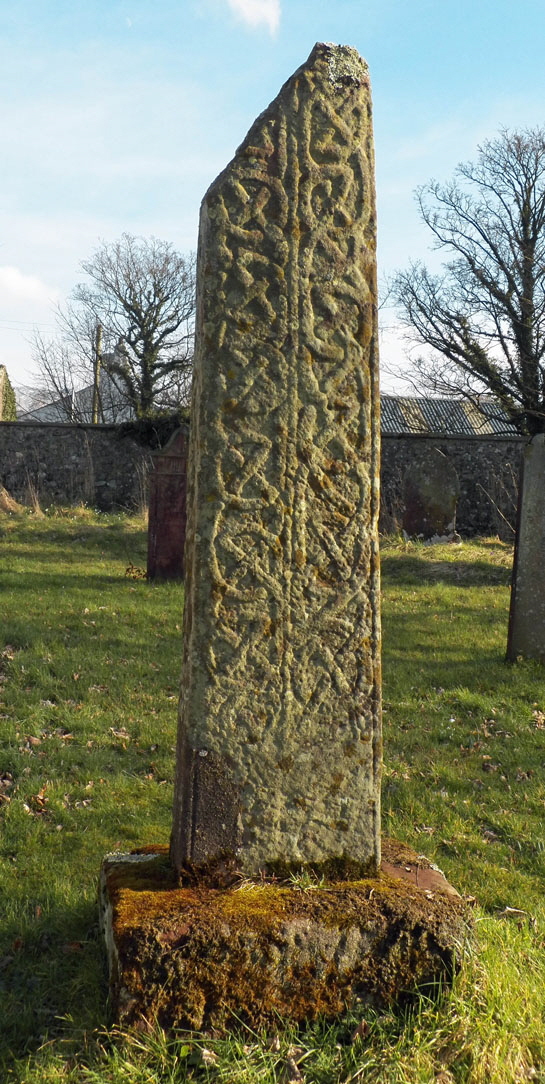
[16, 286]
[257, 12]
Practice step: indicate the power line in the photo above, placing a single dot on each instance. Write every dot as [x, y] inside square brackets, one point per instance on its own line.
[24, 325]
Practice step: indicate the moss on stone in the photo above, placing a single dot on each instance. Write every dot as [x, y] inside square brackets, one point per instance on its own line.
[198, 956]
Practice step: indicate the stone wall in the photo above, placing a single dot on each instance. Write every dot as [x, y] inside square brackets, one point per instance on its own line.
[488, 470]
[69, 464]
[66, 464]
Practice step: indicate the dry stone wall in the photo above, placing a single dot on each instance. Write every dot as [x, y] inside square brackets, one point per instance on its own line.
[69, 464]
[488, 470]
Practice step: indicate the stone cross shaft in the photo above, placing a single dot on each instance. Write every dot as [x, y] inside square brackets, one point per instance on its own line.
[279, 753]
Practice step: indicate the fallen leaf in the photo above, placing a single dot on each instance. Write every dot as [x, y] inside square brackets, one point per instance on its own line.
[291, 1074]
[296, 1052]
[208, 1057]
[487, 765]
[119, 732]
[361, 1031]
[511, 912]
[522, 776]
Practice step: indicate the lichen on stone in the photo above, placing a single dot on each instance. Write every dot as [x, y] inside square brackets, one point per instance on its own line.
[281, 672]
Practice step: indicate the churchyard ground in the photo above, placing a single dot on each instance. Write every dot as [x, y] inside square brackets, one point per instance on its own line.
[89, 666]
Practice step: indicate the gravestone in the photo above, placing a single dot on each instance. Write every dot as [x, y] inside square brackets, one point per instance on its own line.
[526, 636]
[430, 494]
[278, 755]
[167, 509]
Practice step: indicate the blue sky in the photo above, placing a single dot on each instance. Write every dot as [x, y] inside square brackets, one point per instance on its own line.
[117, 115]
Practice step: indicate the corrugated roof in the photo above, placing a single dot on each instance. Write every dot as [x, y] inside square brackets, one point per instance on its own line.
[455, 417]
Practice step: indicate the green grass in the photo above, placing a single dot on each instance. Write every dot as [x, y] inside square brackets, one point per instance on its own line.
[89, 667]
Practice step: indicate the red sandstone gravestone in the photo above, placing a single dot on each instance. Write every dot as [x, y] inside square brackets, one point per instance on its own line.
[167, 510]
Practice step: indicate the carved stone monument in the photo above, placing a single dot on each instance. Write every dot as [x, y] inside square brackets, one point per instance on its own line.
[279, 751]
[279, 738]
[527, 613]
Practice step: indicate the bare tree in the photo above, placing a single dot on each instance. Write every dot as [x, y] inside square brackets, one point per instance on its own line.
[483, 317]
[133, 321]
[64, 372]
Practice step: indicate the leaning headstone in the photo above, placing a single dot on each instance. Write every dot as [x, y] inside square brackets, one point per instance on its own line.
[430, 494]
[526, 636]
[167, 509]
[279, 739]
[279, 753]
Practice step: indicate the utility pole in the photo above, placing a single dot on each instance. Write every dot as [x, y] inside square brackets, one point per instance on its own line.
[96, 374]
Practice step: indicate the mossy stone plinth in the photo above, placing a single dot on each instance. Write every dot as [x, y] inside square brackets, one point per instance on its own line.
[198, 957]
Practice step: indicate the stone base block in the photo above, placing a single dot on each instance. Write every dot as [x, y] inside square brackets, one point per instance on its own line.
[199, 958]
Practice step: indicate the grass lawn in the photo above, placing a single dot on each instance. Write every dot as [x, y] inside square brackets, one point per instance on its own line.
[89, 667]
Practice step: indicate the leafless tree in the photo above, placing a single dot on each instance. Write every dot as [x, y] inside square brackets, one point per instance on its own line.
[64, 372]
[483, 317]
[140, 296]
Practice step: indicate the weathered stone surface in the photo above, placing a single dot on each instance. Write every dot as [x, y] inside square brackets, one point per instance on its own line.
[279, 746]
[167, 509]
[527, 614]
[206, 958]
[431, 489]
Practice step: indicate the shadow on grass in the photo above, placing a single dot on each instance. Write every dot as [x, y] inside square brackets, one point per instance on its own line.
[410, 571]
[28, 529]
[51, 967]
[42, 581]
[425, 647]
[94, 537]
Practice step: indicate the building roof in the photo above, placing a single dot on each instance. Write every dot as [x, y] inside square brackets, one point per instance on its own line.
[77, 406]
[400, 415]
[446, 417]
